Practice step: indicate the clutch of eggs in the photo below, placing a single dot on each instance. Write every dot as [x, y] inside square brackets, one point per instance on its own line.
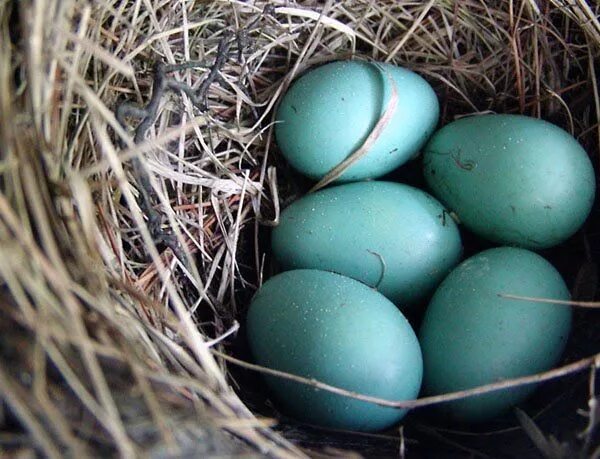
[354, 249]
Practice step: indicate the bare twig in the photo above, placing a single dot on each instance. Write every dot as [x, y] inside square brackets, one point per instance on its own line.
[161, 86]
[581, 304]
[571, 368]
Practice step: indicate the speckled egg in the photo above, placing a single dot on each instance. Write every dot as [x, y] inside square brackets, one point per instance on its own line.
[328, 113]
[471, 336]
[325, 326]
[391, 236]
[511, 179]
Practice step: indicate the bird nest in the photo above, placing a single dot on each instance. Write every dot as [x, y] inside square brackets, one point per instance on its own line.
[139, 180]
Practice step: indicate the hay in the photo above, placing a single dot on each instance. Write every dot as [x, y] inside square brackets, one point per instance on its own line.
[114, 326]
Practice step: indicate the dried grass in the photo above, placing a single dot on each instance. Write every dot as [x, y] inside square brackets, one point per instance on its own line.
[106, 336]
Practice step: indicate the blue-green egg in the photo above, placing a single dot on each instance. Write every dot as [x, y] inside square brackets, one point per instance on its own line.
[334, 329]
[511, 179]
[391, 236]
[328, 113]
[471, 336]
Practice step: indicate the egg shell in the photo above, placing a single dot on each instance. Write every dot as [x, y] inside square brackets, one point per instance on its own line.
[471, 336]
[329, 327]
[388, 235]
[328, 113]
[511, 179]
